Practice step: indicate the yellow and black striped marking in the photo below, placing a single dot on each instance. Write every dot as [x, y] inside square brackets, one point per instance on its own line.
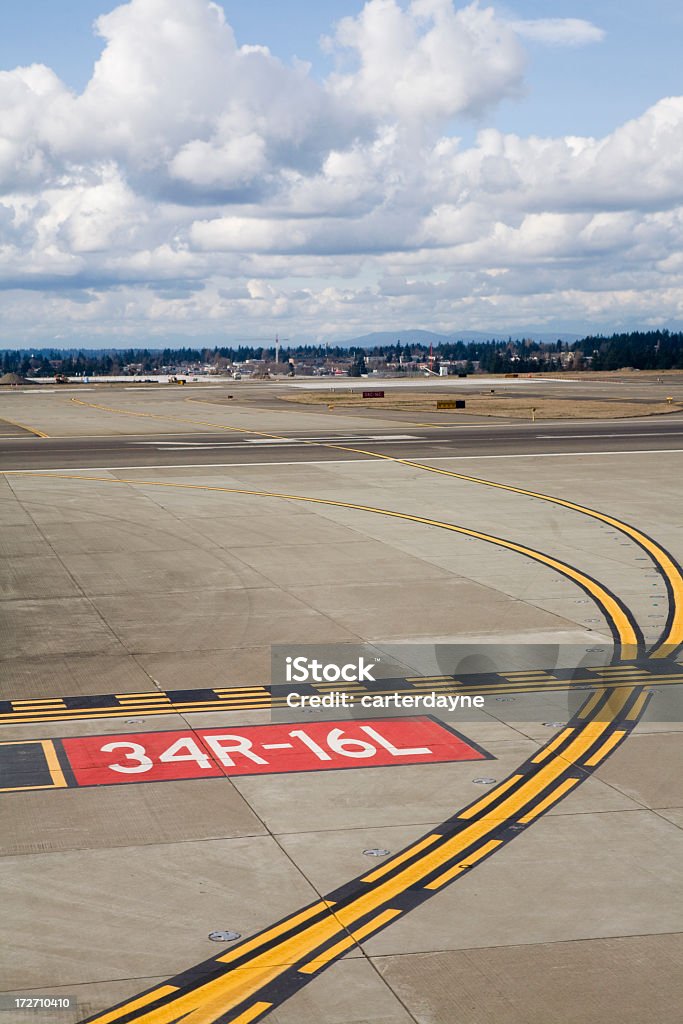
[247, 981]
[644, 672]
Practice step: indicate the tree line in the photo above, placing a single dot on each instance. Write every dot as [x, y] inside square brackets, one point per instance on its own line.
[641, 350]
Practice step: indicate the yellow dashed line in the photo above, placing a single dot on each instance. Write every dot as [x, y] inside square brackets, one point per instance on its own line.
[553, 745]
[359, 933]
[490, 797]
[401, 858]
[588, 707]
[273, 933]
[604, 750]
[471, 859]
[556, 794]
[251, 1014]
[136, 1004]
[634, 713]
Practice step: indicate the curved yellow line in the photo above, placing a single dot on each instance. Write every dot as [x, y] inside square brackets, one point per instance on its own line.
[232, 989]
[612, 608]
[672, 572]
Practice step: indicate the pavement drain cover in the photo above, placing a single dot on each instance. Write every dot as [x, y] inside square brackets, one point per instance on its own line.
[134, 721]
[506, 700]
[594, 650]
[485, 780]
[376, 853]
[224, 936]
[553, 725]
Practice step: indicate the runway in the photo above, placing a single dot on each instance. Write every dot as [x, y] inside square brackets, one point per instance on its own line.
[213, 448]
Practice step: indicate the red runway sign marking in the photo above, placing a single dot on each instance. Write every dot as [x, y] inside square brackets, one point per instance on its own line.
[263, 750]
[257, 750]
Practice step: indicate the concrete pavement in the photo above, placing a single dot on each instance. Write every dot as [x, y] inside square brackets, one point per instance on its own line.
[132, 587]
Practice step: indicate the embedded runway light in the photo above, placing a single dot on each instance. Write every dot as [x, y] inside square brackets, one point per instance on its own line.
[224, 936]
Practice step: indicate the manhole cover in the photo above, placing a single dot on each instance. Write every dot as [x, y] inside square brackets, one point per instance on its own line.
[485, 780]
[376, 853]
[224, 936]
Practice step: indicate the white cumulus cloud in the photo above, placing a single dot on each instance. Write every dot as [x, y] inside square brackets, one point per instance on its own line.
[199, 182]
[430, 60]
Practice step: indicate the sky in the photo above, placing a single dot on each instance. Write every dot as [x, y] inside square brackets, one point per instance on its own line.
[184, 170]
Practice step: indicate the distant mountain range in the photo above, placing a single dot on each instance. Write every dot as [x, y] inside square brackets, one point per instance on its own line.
[378, 338]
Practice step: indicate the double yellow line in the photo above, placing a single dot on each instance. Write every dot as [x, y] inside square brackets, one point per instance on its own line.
[243, 983]
[624, 627]
[296, 949]
[672, 636]
[246, 982]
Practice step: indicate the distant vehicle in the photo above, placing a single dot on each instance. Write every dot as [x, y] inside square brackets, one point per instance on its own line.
[176, 380]
[61, 378]
[237, 376]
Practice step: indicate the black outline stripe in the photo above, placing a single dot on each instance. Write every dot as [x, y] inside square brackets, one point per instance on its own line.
[291, 979]
[485, 683]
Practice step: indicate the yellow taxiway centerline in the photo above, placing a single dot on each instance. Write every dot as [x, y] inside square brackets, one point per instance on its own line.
[671, 571]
